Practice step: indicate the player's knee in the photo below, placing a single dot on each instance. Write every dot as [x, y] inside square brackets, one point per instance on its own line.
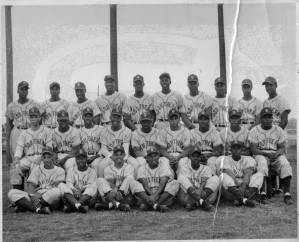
[172, 187]
[213, 183]
[227, 181]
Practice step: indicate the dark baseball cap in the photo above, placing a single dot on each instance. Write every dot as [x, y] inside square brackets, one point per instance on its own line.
[266, 111]
[109, 78]
[80, 85]
[81, 153]
[23, 84]
[235, 143]
[146, 116]
[47, 150]
[62, 114]
[164, 74]
[138, 78]
[192, 77]
[116, 111]
[87, 110]
[234, 112]
[204, 113]
[195, 149]
[247, 82]
[34, 110]
[270, 80]
[152, 150]
[54, 84]
[173, 112]
[219, 80]
[118, 148]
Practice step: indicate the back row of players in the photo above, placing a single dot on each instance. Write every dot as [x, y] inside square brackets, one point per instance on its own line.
[164, 109]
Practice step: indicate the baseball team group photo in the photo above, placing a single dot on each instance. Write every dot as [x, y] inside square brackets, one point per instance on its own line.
[154, 162]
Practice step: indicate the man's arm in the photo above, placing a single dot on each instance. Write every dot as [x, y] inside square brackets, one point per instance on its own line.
[284, 119]
[163, 182]
[186, 121]
[128, 122]
[145, 185]
[246, 179]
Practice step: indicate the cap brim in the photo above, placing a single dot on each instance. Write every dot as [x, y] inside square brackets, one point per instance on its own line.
[144, 119]
[47, 152]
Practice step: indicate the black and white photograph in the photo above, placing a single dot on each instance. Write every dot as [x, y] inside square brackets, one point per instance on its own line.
[149, 120]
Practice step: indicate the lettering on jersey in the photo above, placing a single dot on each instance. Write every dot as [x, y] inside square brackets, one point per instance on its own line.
[174, 144]
[153, 181]
[114, 143]
[46, 183]
[140, 106]
[32, 142]
[265, 143]
[89, 138]
[105, 107]
[64, 144]
[146, 144]
[21, 113]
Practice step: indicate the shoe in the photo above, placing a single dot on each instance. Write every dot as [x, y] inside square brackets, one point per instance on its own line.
[101, 206]
[278, 191]
[44, 210]
[124, 207]
[143, 207]
[237, 203]
[83, 209]
[190, 206]
[249, 203]
[67, 209]
[162, 208]
[264, 199]
[19, 209]
[206, 206]
[288, 200]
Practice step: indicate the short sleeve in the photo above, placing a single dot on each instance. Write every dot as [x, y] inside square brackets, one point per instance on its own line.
[95, 108]
[252, 139]
[161, 139]
[226, 163]
[141, 172]
[216, 138]
[70, 176]
[34, 176]
[134, 140]
[282, 136]
[187, 138]
[127, 136]
[9, 111]
[108, 173]
[250, 162]
[60, 175]
[129, 171]
[20, 144]
[76, 139]
[207, 172]
[165, 171]
[92, 176]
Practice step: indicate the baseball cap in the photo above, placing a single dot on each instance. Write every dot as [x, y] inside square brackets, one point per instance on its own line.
[146, 116]
[236, 143]
[234, 112]
[34, 110]
[116, 111]
[53, 84]
[87, 110]
[247, 82]
[23, 84]
[266, 111]
[164, 74]
[81, 152]
[271, 80]
[204, 113]
[62, 114]
[80, 85]
[219, 80]
[118, 148]
[195, 149]
[138, 78]
[173, 112]
[47, 150]
[109, 77]
[151, 150]
[192, 77]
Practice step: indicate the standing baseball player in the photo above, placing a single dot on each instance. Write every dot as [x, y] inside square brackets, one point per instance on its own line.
[52, 106]
[164, 101]
[194, 102]
[249, 105]
[112, 135]
[198, 185]
[66, 141]
[76, 108]
[80, 186]
[112, 99]
[18, 115]
[208, 139]
[240, 180]
[279, 105]
[221, 105]
[29, 148]
[90, 136]
[267, 143]
[118, 185]
[137, 104]
[158, 182]
[42, 189]
[175, 140]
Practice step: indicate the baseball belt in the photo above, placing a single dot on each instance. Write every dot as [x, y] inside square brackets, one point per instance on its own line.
[34, 154]
[79, 126]
[62, 152]
[220, 125]
[51, 126]
[245, 122]
[108, 122]
[22, 127]
[91, 153]
[163, 119]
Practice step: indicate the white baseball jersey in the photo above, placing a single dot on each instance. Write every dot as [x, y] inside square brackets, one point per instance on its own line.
[142, 141]
[19, 113]
[267, 140]
[153, 176]
[46, 178]
[118, 175]
[206, 141]
[108, 102]
[278, 105]
[238, 167]
[31, 142]
[220, 110]
[65, 141]
[51, 109]
[227, 136]
[80, 179]
[193, 105]
[75, 111]
[250, 109]
[174, 141]
[163, 103]
[136, 106]
[90, 139]
[196, 177]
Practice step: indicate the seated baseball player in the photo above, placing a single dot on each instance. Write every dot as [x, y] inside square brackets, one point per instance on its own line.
[118, 186]
[42, 193]
[198, 186]
[267, 142]
[158, 182]
[174, 141]
[80, 186]
[29, 149]
[66, 141]
[90, 136]
[240, 181]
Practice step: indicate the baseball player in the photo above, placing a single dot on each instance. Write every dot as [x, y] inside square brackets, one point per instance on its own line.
[279, 105]
[42, 191]
[221, 105]
[267, 143]
[118, 185]
[112, 135]
[174, 140]
[90, 136]
[76, 108]
[198, 185]
[137, 104]
[66, 141]
[249, 105]
[52, 106]
[158, 182]
[208, 139]
[18, 115]
[80, 186]
[240, 180]
[112, 99]
[29, 148]
[194, 102]
[165, 100]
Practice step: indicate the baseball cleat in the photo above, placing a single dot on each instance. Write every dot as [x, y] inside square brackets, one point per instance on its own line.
[67, 209]
[190, 206]
[206, 206]
[288, 200]
[19, 209]
[124, 207]
[162, 208]
[44, 210]
[264, 199]
[83, 209]
[101, 206]
[143, 207]
[249, 203]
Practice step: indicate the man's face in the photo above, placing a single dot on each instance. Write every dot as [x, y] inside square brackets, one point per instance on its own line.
[110, 85]
[34, 119]
[270, 88]
[174, 121]
[193, 85]
[236, 151]
[55, 91]
[87, 118]
[63, 123]
[220, 88]
[146, 125]
[152, 160]
[138, 85]
[195, 160]
[235, 121]
[246, 89]
[266, 120]
[165, 82]
[47, 159]
[118, 157]
[115, 120]
[23, 92]
[203, 121]
[81, 162]
[80, 93]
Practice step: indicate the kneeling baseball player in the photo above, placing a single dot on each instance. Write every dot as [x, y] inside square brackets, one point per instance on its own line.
[80, 186]
[198, 186]
[158, 182]
[43, 191]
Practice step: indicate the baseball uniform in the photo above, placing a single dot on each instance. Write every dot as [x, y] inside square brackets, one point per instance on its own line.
[250, 110]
